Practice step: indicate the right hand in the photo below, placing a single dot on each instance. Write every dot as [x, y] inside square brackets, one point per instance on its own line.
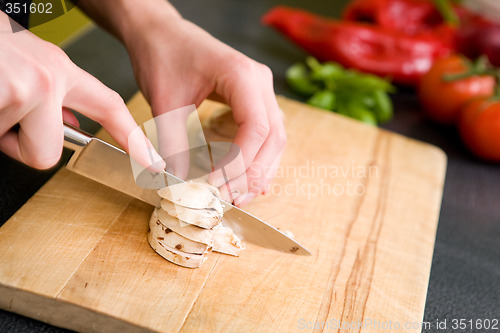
[37, 83]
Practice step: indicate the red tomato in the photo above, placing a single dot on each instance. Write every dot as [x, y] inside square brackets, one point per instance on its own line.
[442, 100]
[479, 126]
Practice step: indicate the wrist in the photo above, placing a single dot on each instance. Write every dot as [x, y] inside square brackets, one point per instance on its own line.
[139, 19]
[129, 19]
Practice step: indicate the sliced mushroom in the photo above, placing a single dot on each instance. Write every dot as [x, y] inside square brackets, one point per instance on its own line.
[188, 224]
[177, 257]
[225, 241]
[172, 239]
[191, 195]
[204, 182]
[204, 218]
[188, 231]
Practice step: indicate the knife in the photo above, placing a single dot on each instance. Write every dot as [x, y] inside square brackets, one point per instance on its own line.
[111, 166]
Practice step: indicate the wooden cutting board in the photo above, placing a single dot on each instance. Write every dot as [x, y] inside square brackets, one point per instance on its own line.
[364, 201]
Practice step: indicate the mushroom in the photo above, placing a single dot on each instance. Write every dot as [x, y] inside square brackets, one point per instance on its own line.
[177, 257]
[204, 218]
[172, 239]
[192, 195]
[225, 241]
[188, 231]
[188, 224]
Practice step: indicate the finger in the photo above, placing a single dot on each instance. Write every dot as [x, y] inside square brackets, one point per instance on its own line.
[264, 166]
[234, 188]
[10, 116]
[271, 174]
[90, 97]
[173, 141]
[230, 166]
[249, 182]
[9, 144]
[268, 158]
[253, 181]
[39, 139]
[69, 117]
[250, 115]
[242, 200]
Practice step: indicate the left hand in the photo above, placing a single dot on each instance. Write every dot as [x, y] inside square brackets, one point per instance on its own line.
[178, 64]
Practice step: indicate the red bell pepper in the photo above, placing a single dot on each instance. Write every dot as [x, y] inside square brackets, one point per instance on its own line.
[478, 35]
[404, 58]
[408, 16]
[475, 34]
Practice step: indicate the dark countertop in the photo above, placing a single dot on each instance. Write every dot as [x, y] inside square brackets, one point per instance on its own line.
[465, 276]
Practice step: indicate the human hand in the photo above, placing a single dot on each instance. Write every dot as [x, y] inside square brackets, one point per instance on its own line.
[177, 64]
[38, 82]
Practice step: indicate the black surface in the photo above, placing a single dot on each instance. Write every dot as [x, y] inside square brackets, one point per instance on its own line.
[21, 17]
[465, 276]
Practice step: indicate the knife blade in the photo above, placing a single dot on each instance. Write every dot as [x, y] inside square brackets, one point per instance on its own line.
[111, 166]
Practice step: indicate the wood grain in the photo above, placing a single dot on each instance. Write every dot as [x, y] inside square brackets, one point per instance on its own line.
[364, 201]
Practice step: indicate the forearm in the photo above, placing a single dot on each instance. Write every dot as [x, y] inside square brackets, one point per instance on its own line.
[126, 18]
[176, 63]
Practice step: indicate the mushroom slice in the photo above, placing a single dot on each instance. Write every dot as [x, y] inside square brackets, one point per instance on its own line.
[225, 241]
[172, 239]
[177, 257]
[191, 195]
[203, 181]
[188, 231]
[204, 218]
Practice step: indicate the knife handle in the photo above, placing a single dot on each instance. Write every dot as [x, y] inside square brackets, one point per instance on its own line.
[74, 138]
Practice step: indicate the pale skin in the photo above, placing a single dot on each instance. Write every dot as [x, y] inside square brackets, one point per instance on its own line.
[37, 83]
[176, 64]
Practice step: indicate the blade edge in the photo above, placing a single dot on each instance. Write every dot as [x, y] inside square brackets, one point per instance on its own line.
[111, 166]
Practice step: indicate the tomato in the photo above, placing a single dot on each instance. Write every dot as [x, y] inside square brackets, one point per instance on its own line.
[442, 100]
[479, 126]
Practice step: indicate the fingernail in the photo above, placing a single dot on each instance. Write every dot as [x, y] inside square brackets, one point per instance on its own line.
[239, 199]
[234, 195]
[267, 189]
[158, 163]
[249, 198]
[169, 169]
[242, 200]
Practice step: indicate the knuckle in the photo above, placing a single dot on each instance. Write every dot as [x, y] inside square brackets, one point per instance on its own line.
[58, 56]
[266, 72]
[41, 86]
[254, 171]
[261, 131]
[115, 105]
[255, 184]
[115, 99]
[45, 80]
[18, 95]
[242, 66]
[280, 138]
